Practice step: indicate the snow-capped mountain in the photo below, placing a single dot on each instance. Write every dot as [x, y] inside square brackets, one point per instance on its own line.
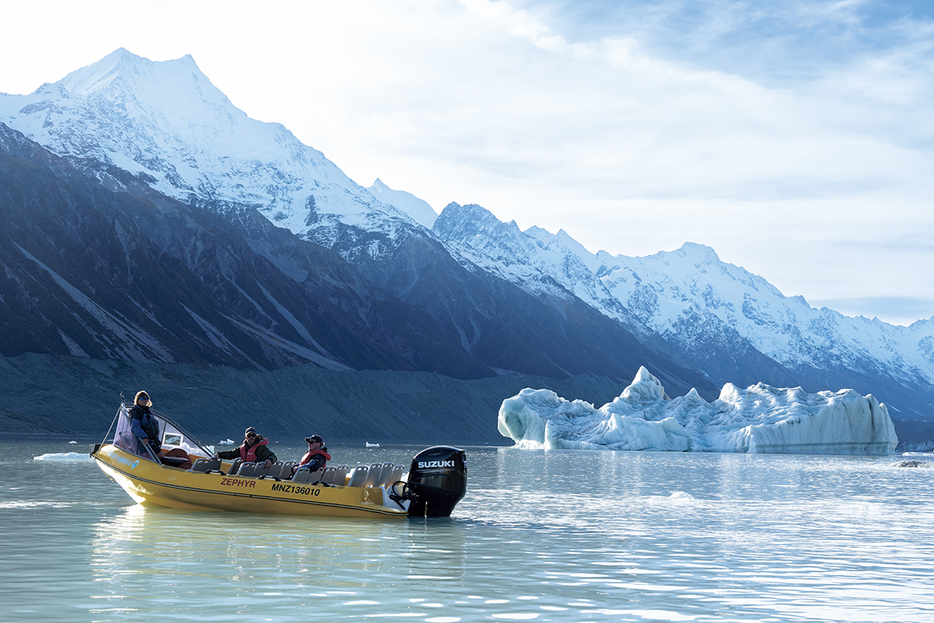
[708, 309]
[515, 300]
[167, 123]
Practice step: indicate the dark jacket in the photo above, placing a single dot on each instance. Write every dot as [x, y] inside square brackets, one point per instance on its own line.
[143, 424]
[260, 449]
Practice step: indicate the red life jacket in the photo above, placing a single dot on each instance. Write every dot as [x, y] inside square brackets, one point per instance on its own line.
[311, 453]
[249, 454]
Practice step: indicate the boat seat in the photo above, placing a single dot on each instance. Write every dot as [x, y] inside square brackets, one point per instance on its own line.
[205, 465]
[327, 475]
[280, 470]
[336, 475]
[253, 470]
[395, 475]
[235, 466]
[358, 476]
[376, 473]
[339, 475]
[285, 469]
[385, 474]
[304, 475]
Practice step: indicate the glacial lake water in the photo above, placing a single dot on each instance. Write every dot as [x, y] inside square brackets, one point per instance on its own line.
[541, 536]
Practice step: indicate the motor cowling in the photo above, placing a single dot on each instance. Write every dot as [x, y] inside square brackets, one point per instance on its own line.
[437, 481]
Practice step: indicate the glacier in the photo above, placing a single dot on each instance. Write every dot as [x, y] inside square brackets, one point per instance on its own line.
[758, 419]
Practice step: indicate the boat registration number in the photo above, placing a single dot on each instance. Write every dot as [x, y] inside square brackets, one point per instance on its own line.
[297, 490]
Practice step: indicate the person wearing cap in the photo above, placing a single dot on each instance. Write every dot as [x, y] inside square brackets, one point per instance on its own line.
[316, 457]
[143, 424]
[254, 450]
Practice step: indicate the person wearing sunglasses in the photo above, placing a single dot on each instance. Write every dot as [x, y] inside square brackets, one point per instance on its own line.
[255, 449]
[317, 456]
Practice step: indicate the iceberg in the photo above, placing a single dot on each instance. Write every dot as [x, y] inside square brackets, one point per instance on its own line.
[759, 419]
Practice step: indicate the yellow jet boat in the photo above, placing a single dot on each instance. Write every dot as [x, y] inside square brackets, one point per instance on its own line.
[436, 481]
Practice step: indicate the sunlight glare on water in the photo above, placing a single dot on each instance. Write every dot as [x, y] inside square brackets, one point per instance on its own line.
[541, 536]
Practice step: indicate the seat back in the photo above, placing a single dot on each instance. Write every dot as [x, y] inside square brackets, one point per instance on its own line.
[372, 476]
[205, 465]
[254, 470]
[395, 475]
[235, 466]
[378, 473]
[358, 476]
[327, 475]
[280, 469]
[301, 475]
[286, 471]
[339, 475]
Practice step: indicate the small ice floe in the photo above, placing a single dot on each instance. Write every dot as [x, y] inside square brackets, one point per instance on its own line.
[372, 445]
[912, 463]
[63, 456]
[681, 496]
[226, 442]
[72, 441]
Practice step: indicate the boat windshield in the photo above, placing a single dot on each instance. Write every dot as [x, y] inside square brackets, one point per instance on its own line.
[173, 436]
[127, 441]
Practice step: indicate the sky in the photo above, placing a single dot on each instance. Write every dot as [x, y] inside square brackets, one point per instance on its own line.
[795, 138]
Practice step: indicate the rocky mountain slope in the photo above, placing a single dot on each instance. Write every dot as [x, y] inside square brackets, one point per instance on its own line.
[106, 268]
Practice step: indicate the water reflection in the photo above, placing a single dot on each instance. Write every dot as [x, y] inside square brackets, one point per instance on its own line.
[257, 563]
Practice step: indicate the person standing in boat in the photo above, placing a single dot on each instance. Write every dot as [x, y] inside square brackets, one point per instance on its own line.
[254, 450]
[317, 456]
[143, 424]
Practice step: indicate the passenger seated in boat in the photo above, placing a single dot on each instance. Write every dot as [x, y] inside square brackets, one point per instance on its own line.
[316, 457]
[143, 424]
[146, 429]
[253, 450]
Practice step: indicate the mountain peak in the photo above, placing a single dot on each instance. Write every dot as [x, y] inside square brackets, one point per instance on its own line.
[141, 76]
[166, 121]
[699, 253]
[416, 208]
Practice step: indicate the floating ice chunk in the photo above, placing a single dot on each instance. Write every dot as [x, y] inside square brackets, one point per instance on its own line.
[761, 419]
[63, 456]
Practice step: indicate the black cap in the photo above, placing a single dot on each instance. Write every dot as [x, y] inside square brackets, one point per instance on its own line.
[248, 431]
[315, 438]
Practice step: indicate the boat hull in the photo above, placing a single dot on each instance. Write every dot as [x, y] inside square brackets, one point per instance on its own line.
[149, 483]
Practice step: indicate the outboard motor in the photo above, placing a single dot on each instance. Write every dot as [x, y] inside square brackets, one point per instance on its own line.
[437, 481]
